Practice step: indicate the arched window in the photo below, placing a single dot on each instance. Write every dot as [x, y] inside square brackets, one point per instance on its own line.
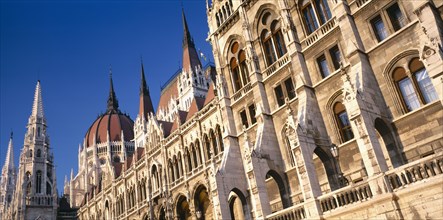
[39, 153]
[426, 88]
[272, 38]
[343, 123]
[238, 67]
[188, 160]
[214, 142]
[207, 146]
[415, 89]
[38, 182]
[30, 153]
[315, 12]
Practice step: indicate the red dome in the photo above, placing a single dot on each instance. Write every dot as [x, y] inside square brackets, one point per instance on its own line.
[112, 123]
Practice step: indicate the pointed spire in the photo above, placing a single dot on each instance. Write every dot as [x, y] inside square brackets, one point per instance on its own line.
[190, 55]
[144, 90]
[112, 100]
[37, 107]
[187, 39]
[145, 98]
[9, 162]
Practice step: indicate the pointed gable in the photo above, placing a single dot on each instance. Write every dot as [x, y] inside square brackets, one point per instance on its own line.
[168, 93]
[167, 127]
[196, 105]
[210, 95]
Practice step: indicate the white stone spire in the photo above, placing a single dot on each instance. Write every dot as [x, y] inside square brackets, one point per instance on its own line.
[9, 162]
[37, 107]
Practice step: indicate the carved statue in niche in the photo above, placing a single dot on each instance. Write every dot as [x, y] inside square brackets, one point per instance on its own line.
[246, 147]
[291, 127]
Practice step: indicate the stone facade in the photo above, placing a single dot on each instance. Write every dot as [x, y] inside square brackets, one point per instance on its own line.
[319, 109]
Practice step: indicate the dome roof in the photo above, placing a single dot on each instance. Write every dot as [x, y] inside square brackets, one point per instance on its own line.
[112, 123]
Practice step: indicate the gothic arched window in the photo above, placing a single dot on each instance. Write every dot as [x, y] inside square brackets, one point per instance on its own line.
[39, 153]
[315, 13]
[271, 37]
[38, 182]
[343, 123]
[414, 85]
[238, 67]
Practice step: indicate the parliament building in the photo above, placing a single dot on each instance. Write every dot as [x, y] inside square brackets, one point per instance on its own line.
[312, 109]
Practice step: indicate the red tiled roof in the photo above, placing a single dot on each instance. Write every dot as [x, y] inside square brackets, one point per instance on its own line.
[167, 127]
[196, 105]
[117, 169]
[140, 152]
[112, 123]
[128, 162]
[210, 95]
[167, 94]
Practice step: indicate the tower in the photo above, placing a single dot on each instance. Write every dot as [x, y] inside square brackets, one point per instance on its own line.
[35, 195]
[192, 80]
[7, 181]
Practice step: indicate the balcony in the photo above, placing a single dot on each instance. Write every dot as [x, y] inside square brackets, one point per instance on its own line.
[276, 66]
[416, 171]
[344, 196]
[319, 33]
[292, 213]
[356, 5]
[240, 93]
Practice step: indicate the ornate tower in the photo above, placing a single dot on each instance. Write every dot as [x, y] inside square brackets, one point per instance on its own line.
[7, 181]
[192, 80]
[146, 109]
[36, 193]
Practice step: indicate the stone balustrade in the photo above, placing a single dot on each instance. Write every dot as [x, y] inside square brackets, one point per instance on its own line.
[240, 93]
[319, 33]
[416, 171]
[344, 196]
[292, 213]
[277, 65]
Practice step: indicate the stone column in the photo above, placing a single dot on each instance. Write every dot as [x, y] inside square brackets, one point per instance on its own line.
[360, 95]
[431, 39]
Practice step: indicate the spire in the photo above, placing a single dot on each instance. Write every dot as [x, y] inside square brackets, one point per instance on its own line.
[112, 100]
[187, 39]
[9, 162]
[190, 56]
[37, 107]
[145, 98]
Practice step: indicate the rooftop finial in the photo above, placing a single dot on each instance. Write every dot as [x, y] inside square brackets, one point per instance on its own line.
[112, 100]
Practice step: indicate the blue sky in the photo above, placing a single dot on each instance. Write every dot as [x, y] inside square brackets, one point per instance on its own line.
[69, 46]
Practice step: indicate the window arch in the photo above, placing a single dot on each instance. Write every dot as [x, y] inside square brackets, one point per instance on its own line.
[414, 85]
[271, 37]
[315, 13]
[39, 153]
[38, 182]
[238, 67]
[344, 126]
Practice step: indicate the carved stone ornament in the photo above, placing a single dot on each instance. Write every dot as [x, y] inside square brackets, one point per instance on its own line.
[291, 128]
[348, 90]
[246, 147]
